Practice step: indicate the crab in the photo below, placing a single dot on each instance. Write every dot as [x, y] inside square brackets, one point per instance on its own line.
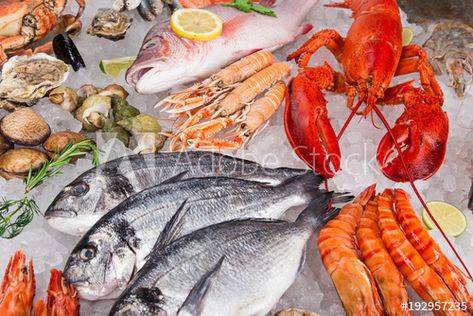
[23, 22]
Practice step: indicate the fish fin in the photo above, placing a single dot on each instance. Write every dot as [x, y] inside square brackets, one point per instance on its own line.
[172, 229]
[342, 198]
[175, 178]
[307, 184]
[192, 306]
[318, 212]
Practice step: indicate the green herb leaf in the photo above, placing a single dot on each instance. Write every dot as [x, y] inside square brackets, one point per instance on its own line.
[15, 215]
[248, 6]
[263, 10]
[60, 160]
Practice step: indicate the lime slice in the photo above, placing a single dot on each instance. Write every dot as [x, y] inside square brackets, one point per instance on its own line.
[407, 36]
[114, 67]
[450, 218]
[196, 24]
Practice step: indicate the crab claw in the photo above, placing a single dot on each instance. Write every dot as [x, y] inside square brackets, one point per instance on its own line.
[421, 133]
[18, 287]
[62, 298]
[308, 127]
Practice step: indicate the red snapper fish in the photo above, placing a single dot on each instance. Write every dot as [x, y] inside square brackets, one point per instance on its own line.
[166, 59]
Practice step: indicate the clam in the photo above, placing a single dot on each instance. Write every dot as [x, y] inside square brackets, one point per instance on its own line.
[114, 89]
[16, 163]
[24, 127]
[110, 24]
[57, 141]
[94, 110]
[66, 97]
[27, 79]
[4, 144]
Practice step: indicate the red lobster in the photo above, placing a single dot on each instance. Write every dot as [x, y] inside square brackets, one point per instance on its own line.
[371, 55]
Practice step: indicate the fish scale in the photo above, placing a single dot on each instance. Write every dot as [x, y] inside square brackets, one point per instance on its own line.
[114, 181]
[260, 260]
[133, 227]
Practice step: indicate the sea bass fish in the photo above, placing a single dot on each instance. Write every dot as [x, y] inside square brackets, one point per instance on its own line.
[124, 237]
[251, 263]
[166, 60]
[86, 199]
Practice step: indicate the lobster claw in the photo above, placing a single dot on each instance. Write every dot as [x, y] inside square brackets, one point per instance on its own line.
[308, 127]
[421, 133]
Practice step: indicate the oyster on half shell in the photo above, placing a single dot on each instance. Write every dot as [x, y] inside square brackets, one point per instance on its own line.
[110, 24]
[26, 79]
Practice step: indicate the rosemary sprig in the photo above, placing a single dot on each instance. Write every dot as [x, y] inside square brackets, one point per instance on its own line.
[60, 159]
[15, 215]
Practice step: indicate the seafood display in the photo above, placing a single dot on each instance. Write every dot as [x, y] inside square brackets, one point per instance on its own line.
[27, 79]
[393, 245]
[166, 60]
[85, 200]
[228, 102]
[259, 258]
[145, 215]
[369, 66]
[25, 22]
[18, 290]
[112, 175]
[454, 58]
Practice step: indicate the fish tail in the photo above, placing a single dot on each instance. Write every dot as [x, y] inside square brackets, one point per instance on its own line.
[318, 212]
[307, 184]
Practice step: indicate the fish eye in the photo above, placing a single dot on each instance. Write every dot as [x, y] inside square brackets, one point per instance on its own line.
[151, 44]
[80, 189]
[88, 252]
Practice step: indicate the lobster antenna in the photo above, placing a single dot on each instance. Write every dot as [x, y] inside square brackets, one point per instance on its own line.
[411, 181]
[347, 122]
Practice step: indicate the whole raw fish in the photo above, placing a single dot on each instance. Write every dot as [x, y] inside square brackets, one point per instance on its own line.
[248, 264]
[91, 195]
[166, 60]
[118, 244]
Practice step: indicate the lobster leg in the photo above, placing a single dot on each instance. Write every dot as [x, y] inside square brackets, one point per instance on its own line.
[306, 119]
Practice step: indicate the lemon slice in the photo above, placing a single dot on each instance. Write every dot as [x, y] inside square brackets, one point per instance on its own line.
[196, 24]
[450, 218]
[114, 67]
[407, 36]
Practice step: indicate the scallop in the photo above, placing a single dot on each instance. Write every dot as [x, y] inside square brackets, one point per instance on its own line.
[57, 141]
[16, 163]
[24, 127]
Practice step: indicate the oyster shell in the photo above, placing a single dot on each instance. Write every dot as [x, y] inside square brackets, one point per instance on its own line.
[26, 79]
[110, 24]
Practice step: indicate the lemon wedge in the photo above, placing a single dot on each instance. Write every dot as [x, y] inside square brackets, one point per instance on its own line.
[196, 24]
[114, 67]
[407, 36]
[450, 218]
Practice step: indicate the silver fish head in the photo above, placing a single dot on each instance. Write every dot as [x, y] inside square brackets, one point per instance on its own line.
[100, 266]
[142, 302]
[163, 61]
[84, 201]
